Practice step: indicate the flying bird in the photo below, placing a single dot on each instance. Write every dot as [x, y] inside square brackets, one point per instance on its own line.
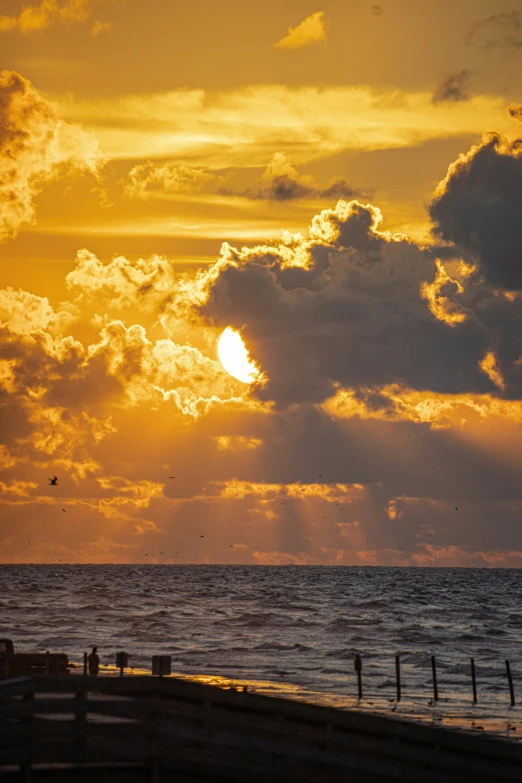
[53, 481]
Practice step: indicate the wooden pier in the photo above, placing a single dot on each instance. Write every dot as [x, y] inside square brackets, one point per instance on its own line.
[143, 728]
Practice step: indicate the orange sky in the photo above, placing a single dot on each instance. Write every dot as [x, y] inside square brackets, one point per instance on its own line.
[341, 183]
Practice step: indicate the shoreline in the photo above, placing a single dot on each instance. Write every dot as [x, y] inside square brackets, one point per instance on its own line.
[493, 718]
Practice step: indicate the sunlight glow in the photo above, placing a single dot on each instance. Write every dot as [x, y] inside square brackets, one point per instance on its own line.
[235, 358]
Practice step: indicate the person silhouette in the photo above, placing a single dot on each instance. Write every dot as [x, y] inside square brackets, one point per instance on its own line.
[94, 662]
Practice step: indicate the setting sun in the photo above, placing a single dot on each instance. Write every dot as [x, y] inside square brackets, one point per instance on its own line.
[235, 358]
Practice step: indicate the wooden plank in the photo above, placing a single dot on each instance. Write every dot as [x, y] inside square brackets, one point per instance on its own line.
[341, 742]
[15, 686]
[293, 746]
[128, 708]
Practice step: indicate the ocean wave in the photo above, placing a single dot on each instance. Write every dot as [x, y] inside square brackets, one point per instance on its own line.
[301, 625]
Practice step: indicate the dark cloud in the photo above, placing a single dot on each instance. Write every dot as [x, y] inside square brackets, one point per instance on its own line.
[282, 182]
[515, 111]
[454, 88]
[356, 314]
[499, 31]
[478, 208]
[286, 188]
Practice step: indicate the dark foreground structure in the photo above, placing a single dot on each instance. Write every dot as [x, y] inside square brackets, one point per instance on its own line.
[134, 728]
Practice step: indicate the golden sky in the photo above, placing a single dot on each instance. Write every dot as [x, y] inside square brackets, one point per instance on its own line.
[340, 183]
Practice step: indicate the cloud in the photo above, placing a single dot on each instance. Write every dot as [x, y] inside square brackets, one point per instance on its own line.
[34, 19]
[284, 183]
[477, 208]
[376, 9]
[515, 111]
[353, 306]
[149, 180]
[499, 31]
[237, 442]
[23, 312]
[232, 128]
[311, 30]
[454, 88]
[440, 411]
[36, 147]
[58, 396]
[442, 306]
[100, 27]
[122, 283]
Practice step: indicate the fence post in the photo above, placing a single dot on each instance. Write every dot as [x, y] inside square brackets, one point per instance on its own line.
[473, 681]
[398, 676]
[47, 662]
[122, 661]
[510, 681]
[28, 736]
[358, 669]
[85, 664]
[434, 673]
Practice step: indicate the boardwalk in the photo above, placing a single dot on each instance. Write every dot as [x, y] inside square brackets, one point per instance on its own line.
[148, 728]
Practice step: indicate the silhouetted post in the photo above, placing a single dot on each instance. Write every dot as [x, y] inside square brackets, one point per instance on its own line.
[122, 660]
[510, 681]
[358, 669]
[398, 676]
[473, 681]
[47, 662]
[434, 672]
[161, 665]
[85, 664]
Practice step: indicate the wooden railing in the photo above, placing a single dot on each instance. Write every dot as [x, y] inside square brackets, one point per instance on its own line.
[171, 726]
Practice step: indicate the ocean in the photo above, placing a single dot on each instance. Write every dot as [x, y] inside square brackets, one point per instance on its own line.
[289, 630]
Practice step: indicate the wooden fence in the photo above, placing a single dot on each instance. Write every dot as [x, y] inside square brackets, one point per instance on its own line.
[177, 730]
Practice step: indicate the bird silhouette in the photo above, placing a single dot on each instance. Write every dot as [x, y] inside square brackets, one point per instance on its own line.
[53, 481]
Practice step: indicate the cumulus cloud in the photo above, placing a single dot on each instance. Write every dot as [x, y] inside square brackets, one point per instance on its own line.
[352, 306]
[32, 19]
[499, 31]
[154, 180]
[36, 146]
[345, 308]
[477, 207]
[120, 282]
[453, 88]
[282, 182]
[311, 30]
[58, 396]
[23, 312]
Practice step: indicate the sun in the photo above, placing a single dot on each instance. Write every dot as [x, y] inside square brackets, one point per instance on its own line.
[235, 358]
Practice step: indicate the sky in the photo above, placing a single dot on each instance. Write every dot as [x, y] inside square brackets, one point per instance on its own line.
[340, 183]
